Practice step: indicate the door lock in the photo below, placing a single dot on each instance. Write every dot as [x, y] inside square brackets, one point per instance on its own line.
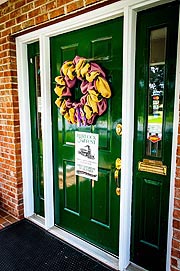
[117, 177]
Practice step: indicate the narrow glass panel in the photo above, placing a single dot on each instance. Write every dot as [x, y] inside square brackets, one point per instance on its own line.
[39, 126]
[38, 96]
[156, 92]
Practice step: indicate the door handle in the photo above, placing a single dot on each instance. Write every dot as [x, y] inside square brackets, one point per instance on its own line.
[117, 177]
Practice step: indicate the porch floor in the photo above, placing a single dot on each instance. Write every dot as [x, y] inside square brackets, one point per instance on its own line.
[27, 246]
[6, 219]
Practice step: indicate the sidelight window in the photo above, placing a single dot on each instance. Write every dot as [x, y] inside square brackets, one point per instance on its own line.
[156, 92]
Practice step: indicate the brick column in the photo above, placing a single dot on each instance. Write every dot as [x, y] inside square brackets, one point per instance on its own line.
[10, 149]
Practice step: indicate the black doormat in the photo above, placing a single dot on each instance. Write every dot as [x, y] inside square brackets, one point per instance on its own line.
[25, 246]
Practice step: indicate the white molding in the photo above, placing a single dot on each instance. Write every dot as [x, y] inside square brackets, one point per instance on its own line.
[87, 19]
[47, 131]
[140, 5]
[173, 160]
[25, 128]
[129, 44]
[38, 220]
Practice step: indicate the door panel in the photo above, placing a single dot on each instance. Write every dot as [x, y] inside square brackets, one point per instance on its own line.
[87, 208]
[154, 105]
[36, 127]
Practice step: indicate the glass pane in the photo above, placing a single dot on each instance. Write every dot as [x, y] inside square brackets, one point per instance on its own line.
[39, 126]
[156, 92]
[38, 96]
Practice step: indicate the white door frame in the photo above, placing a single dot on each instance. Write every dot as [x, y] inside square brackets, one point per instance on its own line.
[128, 9]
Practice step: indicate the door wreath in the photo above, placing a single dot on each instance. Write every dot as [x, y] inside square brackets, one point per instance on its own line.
[94, 88]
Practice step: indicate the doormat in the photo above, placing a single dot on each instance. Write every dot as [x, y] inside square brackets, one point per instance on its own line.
[25, 246]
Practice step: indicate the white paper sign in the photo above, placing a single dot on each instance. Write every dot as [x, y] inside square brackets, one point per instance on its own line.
[86, 155]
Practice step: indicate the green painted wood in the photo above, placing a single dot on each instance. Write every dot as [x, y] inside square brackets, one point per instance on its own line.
[37, 146]
[87, 208]
[151, 191]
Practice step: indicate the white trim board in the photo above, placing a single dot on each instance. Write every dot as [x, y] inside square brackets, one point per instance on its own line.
[25, 128]
[128, 9]
[129, 43]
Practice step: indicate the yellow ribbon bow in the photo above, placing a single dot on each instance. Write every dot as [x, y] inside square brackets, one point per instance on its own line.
[103, 87]
[92, 104]
[90, 77]
[88, 112]
[68, 69]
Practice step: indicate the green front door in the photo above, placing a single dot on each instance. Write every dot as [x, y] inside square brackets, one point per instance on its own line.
[36, 126]
[156, 49]
[87, 208]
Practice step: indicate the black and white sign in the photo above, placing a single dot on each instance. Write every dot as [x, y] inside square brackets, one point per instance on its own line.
[86, 155]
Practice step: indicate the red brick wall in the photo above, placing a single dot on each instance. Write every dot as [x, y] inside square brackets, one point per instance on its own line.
[175, 259]
[17, 16]
[10, 151]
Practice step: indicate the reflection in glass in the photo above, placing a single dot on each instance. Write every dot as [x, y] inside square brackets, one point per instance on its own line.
[39, 125]
[156, 92]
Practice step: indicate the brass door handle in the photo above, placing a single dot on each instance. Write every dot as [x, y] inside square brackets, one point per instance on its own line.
[117, 177]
